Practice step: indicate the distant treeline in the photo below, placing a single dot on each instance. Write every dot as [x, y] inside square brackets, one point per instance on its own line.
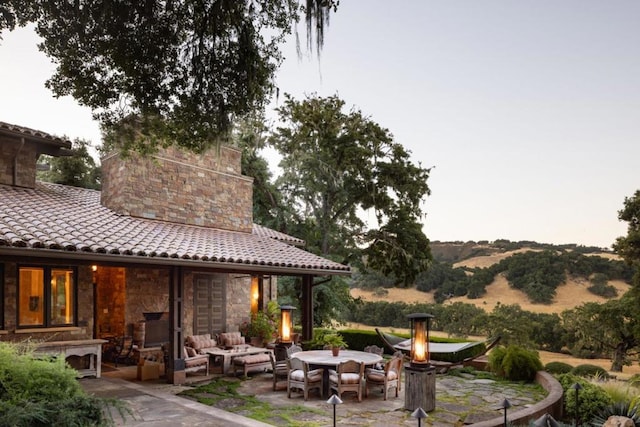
[457, 251]
[513, 324]
[537, 273]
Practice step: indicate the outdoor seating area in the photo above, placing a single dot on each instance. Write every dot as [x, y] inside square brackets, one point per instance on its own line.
[390, 412]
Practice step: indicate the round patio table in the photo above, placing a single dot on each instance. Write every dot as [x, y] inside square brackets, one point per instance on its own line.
[326, 359]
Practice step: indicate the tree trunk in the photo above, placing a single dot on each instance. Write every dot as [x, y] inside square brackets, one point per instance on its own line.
[618, 358]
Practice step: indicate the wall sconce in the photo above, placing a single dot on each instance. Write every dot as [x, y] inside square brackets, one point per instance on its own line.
[94, 268]
[255, 294]
[420, 324]
[286, 322]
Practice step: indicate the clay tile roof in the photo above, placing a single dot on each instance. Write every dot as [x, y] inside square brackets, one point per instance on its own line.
[43, 137]
[259, 230]
[63, 218]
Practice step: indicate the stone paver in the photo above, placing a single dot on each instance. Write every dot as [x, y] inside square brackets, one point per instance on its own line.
[458, 400]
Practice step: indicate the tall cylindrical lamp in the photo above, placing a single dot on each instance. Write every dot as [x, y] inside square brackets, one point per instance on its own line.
[286, 323]
[420, 376]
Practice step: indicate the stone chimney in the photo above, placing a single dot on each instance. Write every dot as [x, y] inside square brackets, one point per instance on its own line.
[182, 187]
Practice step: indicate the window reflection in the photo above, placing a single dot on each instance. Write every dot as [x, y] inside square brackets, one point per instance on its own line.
[55, 301]
[31, 296]
[61, 297]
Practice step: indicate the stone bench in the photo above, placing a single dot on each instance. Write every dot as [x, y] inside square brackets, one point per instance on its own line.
[251, 362]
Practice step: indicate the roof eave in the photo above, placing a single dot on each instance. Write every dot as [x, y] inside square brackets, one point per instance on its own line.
[90, 257]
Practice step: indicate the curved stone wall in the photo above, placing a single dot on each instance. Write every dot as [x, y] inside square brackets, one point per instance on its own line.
[552, 405]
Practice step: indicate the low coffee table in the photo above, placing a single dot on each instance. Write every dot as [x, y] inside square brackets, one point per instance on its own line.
[228, 355]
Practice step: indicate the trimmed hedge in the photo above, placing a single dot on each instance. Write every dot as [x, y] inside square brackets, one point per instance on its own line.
[515, 363]
[557, 368]
[588, 370]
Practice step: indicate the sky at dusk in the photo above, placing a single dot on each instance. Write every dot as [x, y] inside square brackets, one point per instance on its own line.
[528, 112]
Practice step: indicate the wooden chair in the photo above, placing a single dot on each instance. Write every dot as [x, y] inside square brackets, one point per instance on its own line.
[389, 377]
[293, 348]
[279, 362]
[300, 377]
[375, 350]
[194, 362]
[123, 350]
[348, 377]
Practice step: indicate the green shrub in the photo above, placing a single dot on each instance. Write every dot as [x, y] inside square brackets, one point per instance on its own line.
[358, 339]
[558, 368]
[635, 380]
[515, 363]
[592, 398]
[43, 391]
[588, 370]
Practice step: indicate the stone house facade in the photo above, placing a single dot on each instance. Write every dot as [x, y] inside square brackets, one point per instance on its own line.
[170, 235]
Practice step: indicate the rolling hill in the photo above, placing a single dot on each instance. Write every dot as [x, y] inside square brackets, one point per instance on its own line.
[568, 295]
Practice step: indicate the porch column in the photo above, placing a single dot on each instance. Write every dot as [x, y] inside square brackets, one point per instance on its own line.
[307, 307]
[175, 369]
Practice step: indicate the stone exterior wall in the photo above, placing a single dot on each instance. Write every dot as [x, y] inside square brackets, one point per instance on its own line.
[238, 301]
[110, 300]
[85, 310]
[147, 291]
[206, 190]
[25, 175]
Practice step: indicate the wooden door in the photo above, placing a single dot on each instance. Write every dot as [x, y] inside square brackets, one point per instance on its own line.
[209, 303]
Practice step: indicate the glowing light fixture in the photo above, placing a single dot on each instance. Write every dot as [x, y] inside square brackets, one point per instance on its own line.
[420, 338]
[255, 294]
[286, 322]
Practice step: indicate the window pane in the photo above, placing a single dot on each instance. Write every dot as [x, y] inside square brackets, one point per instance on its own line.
[61, 297]
[31, 303]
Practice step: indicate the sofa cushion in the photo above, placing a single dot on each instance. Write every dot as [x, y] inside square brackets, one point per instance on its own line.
[201, 341]
[347, 378]
[251, 359]
[313, 376]
[229, 339]
[378, 376]
[191, 352]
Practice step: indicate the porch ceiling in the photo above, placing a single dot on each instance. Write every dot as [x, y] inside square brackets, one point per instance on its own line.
[69, 222]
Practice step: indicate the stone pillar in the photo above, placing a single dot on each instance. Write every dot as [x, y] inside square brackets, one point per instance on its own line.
[420, 387]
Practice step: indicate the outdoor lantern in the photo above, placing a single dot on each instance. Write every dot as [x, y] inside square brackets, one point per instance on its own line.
[420, 338]
[286, 322]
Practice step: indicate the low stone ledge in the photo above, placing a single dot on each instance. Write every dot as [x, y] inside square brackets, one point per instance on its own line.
[552, 405]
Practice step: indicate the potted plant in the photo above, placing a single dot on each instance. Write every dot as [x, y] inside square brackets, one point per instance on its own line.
[335, 341]
[261, 329]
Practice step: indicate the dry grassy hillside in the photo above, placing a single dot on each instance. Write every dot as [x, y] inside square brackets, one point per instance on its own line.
[569, 295]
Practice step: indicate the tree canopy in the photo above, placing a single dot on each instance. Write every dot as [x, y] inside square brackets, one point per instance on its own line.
[166, 72]
[628, 247]
[612, 327]
[337, 165]
[78, 170]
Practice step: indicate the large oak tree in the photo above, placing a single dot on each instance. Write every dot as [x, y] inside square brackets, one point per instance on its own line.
[160, 72]
[338, 167]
